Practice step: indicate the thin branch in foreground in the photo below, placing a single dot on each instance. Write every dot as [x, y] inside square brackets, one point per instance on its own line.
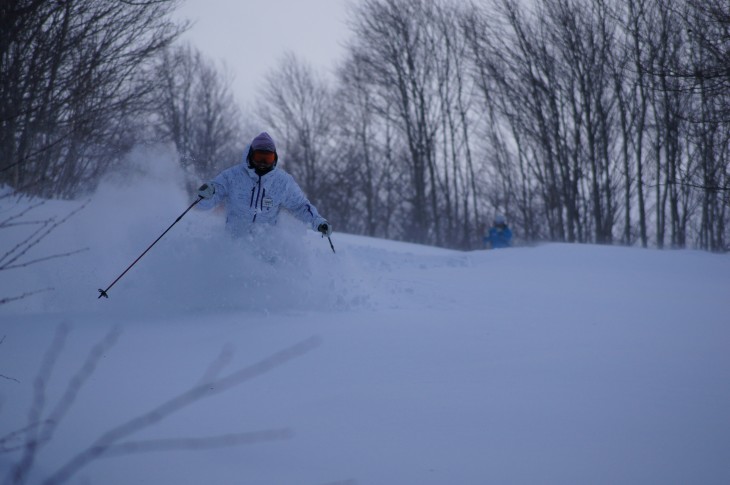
[22, 248]
[3, 376]
[23, 245]
[9, 221]
[112, 437]
[42, 431]
[76, 383]
[22, 223]
[20, 471]
[192, 444]
[16, 435]
[24, 295]
[45, 258]
[39, 433]
[216, 367]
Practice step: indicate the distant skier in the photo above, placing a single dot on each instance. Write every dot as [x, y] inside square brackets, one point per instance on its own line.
[256, 190]
[499, 235]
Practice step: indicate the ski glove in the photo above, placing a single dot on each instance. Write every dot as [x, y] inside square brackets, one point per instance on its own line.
[206, 191]
[325, 228]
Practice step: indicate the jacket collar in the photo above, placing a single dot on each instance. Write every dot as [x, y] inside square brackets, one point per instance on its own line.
[252, 171]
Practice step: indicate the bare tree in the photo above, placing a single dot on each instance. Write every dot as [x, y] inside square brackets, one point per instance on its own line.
[70, 80]
[393, 39]
[585, 96]
[582, 121]
[631, 89]
[193, 107]
[459, 184]
[364, 190]
[297, 103]
[705, 75]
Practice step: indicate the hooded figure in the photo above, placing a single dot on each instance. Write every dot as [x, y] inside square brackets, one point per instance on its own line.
[255, 191]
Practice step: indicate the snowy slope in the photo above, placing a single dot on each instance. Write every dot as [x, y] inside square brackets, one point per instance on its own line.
[416, 365]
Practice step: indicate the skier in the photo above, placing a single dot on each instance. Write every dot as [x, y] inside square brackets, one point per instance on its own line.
[499, 235]
[256, 190]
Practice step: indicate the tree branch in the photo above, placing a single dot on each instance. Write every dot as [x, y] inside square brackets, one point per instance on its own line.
[110, 439]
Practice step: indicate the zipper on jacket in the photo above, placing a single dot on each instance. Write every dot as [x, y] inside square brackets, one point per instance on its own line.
[258, 193]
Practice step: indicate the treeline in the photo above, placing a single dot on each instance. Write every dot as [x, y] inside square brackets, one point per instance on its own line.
[82, 82]
[605, 121]
[71, 86]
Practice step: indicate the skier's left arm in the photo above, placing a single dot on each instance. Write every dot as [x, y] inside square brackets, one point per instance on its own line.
[298, 204]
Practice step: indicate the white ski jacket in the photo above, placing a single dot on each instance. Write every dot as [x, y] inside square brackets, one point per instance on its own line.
[251, 199]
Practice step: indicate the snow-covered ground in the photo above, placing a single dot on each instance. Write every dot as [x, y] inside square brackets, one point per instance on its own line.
[385, 363]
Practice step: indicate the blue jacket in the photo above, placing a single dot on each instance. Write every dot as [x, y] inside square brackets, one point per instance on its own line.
[498, 237]
[252, 199]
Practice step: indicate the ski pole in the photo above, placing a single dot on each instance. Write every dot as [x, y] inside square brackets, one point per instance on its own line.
[331, 245]
[104, 292]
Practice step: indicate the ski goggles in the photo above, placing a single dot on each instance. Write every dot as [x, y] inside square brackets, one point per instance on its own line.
[267, 158]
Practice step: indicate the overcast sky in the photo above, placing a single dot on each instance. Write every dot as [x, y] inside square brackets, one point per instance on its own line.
[251, 36]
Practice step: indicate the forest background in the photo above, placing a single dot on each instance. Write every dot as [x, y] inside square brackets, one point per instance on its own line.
[595, 122]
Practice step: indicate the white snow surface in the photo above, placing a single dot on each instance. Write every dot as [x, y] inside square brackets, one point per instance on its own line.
[555, 364]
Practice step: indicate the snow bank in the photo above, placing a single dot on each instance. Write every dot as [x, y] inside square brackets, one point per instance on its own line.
[194, 267]
[560, 363]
